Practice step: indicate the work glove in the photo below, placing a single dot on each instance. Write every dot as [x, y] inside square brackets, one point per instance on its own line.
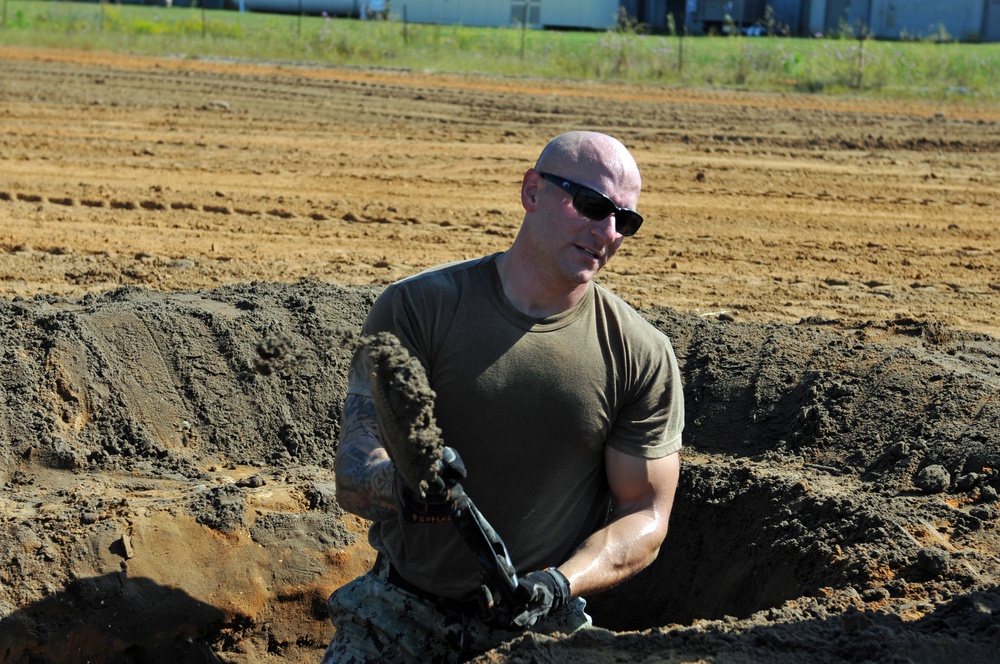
[537, 595]
[443, 498]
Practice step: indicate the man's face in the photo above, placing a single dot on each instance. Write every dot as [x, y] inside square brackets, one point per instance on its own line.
[573, 247]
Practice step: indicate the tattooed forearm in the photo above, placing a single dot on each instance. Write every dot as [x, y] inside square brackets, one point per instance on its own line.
[365, 474]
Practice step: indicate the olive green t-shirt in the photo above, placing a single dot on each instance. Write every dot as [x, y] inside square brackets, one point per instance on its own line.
[529, 404]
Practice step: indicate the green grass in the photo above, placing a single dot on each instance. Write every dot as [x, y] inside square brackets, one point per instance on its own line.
[903, 69]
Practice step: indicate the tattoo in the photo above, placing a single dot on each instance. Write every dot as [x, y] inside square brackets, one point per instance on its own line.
[365, 474]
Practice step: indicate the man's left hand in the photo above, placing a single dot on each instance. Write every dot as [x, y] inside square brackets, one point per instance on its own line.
[442, 499]
[538, 594]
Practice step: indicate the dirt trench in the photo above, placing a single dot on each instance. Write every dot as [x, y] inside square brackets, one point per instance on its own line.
[168, 493]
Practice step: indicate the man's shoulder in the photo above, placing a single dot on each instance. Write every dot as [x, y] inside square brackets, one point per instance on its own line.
[622, 310]
[634, 326]
[440, 275]
[439, 287]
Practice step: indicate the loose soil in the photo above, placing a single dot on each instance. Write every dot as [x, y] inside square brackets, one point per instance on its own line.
[188, 249]
[404, 404]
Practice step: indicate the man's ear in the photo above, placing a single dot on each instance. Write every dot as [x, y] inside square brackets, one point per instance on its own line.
[530, 184]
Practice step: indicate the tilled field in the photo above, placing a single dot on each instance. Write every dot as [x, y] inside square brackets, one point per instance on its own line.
[187, 249]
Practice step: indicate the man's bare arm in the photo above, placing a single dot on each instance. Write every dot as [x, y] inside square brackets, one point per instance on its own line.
[643, 491]
[365, 474]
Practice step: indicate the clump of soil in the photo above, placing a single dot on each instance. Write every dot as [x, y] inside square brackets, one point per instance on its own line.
[166, 462]
[404, 404]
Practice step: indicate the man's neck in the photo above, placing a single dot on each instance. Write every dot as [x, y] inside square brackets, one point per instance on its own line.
[534, 293]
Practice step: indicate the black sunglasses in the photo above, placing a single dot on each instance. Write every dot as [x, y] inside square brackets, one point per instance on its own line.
[595, 205]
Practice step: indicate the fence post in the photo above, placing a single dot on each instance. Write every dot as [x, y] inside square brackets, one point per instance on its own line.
[524, 28]
[679, 33]
[680, 51]
[862, 37]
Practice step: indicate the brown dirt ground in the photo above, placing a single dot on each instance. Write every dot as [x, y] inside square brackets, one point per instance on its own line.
[191, 174]
[828, 268]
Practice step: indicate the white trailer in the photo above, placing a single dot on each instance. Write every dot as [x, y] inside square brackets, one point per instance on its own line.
[567, 14]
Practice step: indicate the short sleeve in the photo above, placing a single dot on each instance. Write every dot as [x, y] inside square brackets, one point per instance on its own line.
[651, 420]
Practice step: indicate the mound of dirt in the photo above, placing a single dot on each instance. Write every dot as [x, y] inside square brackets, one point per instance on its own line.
[168, 494]
[165, 461]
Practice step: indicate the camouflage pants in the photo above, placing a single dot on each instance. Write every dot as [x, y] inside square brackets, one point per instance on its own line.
[378, 622]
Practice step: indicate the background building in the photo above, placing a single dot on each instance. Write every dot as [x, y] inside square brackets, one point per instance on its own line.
[964, 20]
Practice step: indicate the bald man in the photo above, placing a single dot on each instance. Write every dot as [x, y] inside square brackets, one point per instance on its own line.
[563, 408]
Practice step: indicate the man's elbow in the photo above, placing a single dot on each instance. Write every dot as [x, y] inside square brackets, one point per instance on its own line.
[655, 545]
[646, 549]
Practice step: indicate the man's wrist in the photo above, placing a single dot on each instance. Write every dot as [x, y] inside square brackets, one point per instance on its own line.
[561, 591]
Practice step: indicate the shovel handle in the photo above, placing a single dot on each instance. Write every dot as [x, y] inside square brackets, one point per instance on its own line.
[489, 549]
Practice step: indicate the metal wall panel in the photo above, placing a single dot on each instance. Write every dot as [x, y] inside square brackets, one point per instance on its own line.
[597, 14]
[337, 7]
[991, 21]
[789, 13]
[455, 12]
[962, 19]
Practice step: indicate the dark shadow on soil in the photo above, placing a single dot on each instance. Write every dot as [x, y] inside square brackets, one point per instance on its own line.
[112, 619]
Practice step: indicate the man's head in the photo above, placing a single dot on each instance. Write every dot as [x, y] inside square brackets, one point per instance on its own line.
[593, 159]
[561, 196]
